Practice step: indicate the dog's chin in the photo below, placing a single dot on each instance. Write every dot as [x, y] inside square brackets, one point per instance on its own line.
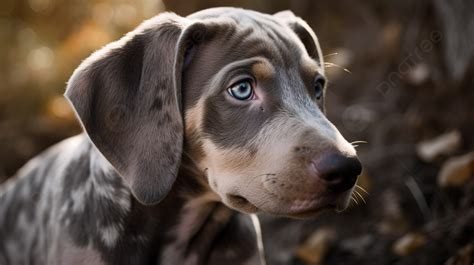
[291, 209]
[336, 203]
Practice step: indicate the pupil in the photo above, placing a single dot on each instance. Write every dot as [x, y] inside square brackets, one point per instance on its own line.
[319, 90]
[242, 88]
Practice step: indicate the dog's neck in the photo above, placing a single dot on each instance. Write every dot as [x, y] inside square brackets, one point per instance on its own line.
[190, 226]
[206, 224]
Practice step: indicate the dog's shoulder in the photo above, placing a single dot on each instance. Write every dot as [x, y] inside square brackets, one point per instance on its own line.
[69, 193]
[28, 203]
[24, 190]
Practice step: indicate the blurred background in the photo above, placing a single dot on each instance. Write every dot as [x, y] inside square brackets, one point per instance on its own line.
[401, 80]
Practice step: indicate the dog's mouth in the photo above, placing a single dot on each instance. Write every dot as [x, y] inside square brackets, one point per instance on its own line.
[311, 212]
[279, 196]
[240, 203]
[299, 209]
[312, 208]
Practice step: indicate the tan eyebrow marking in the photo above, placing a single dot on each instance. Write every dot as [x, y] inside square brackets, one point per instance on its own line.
[245, 63]
[310, 68]
[263, 69]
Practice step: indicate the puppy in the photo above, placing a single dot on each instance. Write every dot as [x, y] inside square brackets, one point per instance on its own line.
[190, 123]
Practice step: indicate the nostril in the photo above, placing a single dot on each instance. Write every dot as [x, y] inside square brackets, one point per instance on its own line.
[338, 171]
[335, 165]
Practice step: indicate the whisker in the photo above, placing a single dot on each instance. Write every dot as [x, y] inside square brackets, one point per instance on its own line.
[327, 65]
[359, 142]
[356, 193]
[361, 197]
[258, 232]
[362, 189]
[354, 199]
[331, 54]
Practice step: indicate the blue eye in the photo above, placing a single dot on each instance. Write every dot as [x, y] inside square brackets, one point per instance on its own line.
[319, 87]
[242, 90]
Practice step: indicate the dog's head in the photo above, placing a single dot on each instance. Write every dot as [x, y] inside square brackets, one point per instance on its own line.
[239, 92]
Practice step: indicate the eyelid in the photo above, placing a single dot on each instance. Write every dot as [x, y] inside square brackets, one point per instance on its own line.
[241, 80]
[228, 73]
[319, 76]
[240, 75]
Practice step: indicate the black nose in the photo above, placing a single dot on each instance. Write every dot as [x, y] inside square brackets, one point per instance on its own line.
[338, 171]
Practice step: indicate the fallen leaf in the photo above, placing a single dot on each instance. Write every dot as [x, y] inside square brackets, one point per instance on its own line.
[445, 144]
[314, 250]
[457, 170]
[408, 243]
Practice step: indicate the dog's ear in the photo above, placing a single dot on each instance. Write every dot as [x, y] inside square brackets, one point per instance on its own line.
[128, 98]
[304, 33]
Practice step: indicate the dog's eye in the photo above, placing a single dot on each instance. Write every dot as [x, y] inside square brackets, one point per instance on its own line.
[319, 86]
[243, 90]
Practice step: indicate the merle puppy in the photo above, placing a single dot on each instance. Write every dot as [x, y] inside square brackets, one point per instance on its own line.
[190, 123]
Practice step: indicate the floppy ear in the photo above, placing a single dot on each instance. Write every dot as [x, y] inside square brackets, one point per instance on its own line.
[304, 33]
[127, 96]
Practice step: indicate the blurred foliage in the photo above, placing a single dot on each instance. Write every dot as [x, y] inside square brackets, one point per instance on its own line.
[41, 42]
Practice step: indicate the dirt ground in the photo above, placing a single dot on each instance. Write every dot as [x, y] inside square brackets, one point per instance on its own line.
[401, 74]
